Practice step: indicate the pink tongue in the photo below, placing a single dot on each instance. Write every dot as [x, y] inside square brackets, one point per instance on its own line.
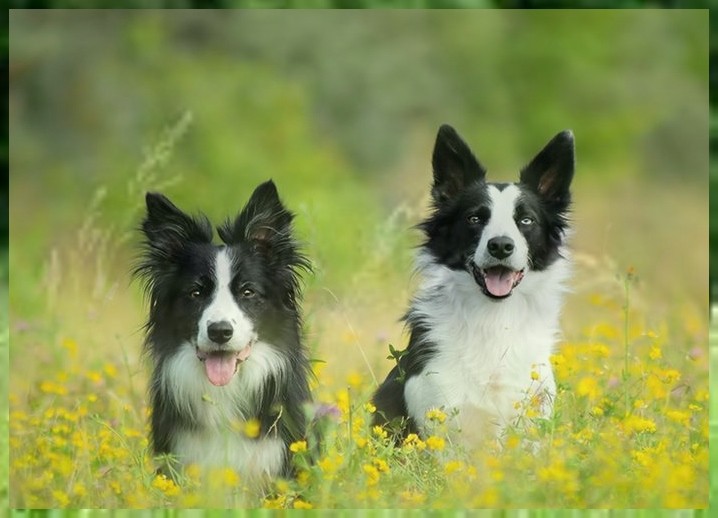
[499, 281]
[220, 368]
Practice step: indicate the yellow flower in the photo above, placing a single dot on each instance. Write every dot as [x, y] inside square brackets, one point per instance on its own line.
[79, 489]
[412, 441]
[369, 408]
[435, 443]
[379, 432]
[453, 466]
[435, 414]
[249, 428]
[230, 478]
[355, 380]
[61, 498]
[71, 346]
[534, 375]
[372, 474]
[275, 503]
[49, 387]
[110, 370]
[587, 386]
[301, 504]
[381, 465]
[655, 353]
[636, 424]
[683, 418]
[298, 446]
[166, 485]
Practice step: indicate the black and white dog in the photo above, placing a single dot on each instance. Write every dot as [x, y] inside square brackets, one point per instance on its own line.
[224, 335]
[485, 319]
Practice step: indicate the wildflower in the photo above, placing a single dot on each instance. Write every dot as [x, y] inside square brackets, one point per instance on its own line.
[655, 353]
[534, 375]
[71, 346]
[79, 490]
[301, 504]
[50, 387]
[678, 416]
[671, 376]
[275, 503]
[252, 428]
[110, 370]
[381, 465]
[587, 386]
[412, 441]
[369, 408]
[359, 441]
[372, 474]
[453, 466]
[636, 424]
[166, 485]
[379, 432]
[298, 446]
[230, 478]
[355, 380]
[435, 443]
[61, 498]
[435, 414]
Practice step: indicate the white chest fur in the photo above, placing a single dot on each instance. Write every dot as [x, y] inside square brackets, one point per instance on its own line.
[486, 351]
[218, 412]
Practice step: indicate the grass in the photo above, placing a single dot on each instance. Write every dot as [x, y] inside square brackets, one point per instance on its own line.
[630, 427]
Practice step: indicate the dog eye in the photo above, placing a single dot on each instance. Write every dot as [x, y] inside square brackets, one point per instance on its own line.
[474, 219]
[195, 293]
[248, 293]
[526, 221]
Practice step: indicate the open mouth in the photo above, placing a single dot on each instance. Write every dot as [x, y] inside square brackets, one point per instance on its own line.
[221, 366]
[496, 281]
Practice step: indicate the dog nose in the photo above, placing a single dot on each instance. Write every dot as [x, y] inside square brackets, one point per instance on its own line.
[501, 247]
[220, 332]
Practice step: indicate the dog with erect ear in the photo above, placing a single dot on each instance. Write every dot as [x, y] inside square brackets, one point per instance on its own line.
[230, 373]
[485, 319]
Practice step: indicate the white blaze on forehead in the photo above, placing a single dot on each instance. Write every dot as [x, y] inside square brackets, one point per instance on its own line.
[224, 307]
[502, 223]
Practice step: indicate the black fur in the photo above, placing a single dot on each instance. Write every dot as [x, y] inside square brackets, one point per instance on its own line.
[460, 208]
[177, 258]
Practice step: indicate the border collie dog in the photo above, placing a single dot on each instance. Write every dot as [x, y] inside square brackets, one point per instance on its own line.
[484, 321]
[224, 336]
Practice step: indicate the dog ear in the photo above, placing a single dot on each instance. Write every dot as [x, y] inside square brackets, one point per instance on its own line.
[550, 172]
[167, 232]
[263, 220]
[454, 165]
[167, 227]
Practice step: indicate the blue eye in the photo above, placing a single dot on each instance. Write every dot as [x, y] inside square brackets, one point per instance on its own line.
[526, 221]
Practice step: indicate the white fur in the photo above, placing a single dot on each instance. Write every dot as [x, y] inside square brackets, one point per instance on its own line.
[224, 307]
[502, 223]
[219, 410]
[486, 349]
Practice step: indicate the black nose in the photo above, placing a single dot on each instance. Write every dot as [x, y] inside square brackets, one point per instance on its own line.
[501, 247]
[220, 332]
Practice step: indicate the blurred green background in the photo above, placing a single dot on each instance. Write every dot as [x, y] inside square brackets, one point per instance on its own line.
[340, 109]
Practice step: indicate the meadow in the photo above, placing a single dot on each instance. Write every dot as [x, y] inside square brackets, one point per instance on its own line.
[204, 107]
[630, 427]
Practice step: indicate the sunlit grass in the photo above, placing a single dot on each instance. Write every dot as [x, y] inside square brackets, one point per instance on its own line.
[630, 429]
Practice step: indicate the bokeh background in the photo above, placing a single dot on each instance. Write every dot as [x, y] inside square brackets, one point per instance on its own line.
[341, 109]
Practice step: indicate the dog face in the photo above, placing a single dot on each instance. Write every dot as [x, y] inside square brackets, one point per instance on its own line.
[220, 299]
[498, 232]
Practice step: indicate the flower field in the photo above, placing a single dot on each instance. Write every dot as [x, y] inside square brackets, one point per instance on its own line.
[630, 429]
